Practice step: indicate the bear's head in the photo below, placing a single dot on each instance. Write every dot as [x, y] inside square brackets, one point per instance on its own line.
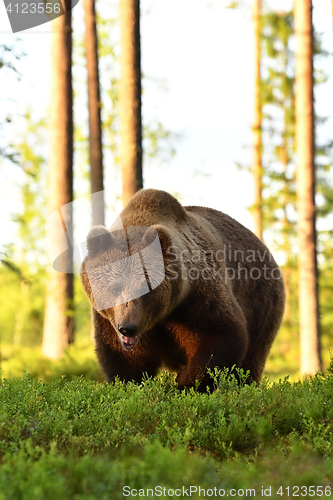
[124, 278]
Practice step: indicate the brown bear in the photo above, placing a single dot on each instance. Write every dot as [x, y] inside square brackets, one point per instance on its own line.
[218, 300]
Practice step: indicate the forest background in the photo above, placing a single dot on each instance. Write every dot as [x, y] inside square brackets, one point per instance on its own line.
[197, 114]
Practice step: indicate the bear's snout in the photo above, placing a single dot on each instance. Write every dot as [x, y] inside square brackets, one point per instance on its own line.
[128, 335]
[127, 329]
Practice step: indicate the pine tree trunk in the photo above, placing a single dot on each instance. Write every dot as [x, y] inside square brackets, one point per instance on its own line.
[310, 361]
[286, 224]
[130, 98]
[58, 318]
[94, 104]
[257, 212]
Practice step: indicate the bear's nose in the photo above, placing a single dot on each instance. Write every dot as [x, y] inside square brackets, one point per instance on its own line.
[127, 329]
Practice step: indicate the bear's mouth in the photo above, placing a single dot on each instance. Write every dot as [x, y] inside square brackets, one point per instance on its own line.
[128, 342]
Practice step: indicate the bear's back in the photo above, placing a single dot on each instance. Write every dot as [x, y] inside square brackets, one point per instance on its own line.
[232, 233]
[256, 280]
[151, 206]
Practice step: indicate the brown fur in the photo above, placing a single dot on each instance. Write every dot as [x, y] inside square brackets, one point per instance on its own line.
[186, 325]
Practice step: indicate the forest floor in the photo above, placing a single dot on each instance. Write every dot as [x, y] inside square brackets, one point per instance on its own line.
[80, 439]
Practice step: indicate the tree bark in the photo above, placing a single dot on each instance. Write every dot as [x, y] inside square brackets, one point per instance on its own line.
[286, 224]
[58, 318]
[94, 105]
[310, 353]
[257, 166]
[130, 98]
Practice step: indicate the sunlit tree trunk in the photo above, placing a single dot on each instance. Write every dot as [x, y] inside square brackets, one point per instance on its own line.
[257, 213]
[310, 358]
[58, 318]
[286, 245]
[130, 98]
[94, 104]
[95, 123]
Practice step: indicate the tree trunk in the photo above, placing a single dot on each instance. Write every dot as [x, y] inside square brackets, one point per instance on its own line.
[310, 354]
[130, 98]
[286, 224]
[58, 319]
[94, 104]
[257, 213]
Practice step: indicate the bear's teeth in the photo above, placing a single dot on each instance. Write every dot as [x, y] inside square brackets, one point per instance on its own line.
[128, 340]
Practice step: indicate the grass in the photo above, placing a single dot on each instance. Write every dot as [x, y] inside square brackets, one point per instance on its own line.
[81, 439]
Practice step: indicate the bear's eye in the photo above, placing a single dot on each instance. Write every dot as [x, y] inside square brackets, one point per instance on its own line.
[116, 290]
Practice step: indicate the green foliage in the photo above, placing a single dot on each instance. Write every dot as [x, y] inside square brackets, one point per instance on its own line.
[277, 98]
[278, 103]
[83, 439]
[31, 221]
[279, 189]
[22, 303]
[9, 54]
[32, 473]
[84, 416]
[158, 142]
[79, 360]
[22, 271]
[279, 177]
[22, 267]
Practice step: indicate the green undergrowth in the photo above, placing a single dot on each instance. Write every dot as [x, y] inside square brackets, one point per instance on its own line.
[80, 439]
[78, 360]
[156, 471]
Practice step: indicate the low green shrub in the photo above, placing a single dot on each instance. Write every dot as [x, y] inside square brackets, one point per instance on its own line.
[86, 416]
[153, 470]
[73, 438]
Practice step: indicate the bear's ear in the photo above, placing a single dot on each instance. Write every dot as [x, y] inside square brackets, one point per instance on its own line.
[163, 236]
[99, 239]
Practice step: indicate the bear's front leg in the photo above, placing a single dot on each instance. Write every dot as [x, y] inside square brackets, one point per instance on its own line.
[114, 364]
[115, 361]
[221, 350]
